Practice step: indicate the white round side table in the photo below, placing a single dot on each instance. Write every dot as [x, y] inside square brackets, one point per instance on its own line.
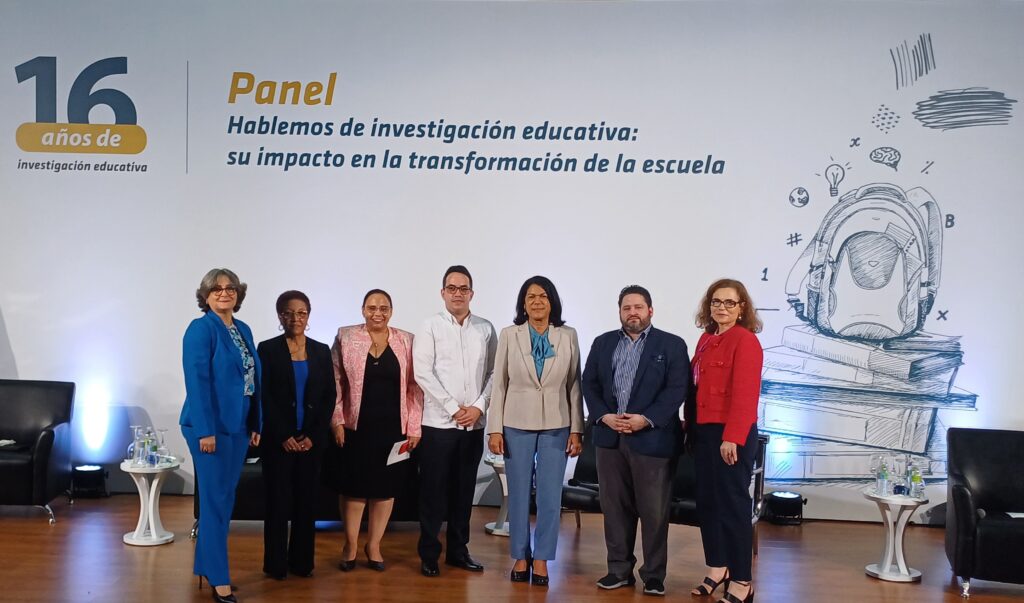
[896, 511]
[149, 531]
[499, 527]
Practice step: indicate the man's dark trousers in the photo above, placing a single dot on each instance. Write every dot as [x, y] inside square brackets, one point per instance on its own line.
[635, 486]
[448, 460]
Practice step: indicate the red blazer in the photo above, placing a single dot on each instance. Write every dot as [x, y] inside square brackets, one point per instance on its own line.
[727, 370]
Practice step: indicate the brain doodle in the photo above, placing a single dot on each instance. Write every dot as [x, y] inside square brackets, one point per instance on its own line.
[886, 156]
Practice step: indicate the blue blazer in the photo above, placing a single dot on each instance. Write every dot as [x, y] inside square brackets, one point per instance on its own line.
[215, 402]
[660, 387]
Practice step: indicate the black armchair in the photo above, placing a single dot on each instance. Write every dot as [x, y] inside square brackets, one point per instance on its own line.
[37, 467]
[580, 494]
[984, 487]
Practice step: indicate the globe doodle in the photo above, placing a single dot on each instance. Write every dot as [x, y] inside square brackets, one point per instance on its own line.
[799, 197]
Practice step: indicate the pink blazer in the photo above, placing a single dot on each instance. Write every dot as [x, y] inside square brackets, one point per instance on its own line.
[349, 354]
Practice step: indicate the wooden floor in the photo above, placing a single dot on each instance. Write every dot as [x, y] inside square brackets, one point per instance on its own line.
[82, 558]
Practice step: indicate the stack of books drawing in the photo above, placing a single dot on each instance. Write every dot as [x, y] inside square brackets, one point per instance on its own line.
[831, 402]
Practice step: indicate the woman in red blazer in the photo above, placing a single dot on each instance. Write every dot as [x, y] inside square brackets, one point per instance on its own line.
[723, 423]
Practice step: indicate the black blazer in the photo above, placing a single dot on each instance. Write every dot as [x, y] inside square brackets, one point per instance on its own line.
[660, 387]
[279, 393]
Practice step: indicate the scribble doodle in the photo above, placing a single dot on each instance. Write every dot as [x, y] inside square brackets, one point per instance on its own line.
[855, 142]
[911, 63]
[886, 156]
[924, 170]
[794, 239]
[799, 197]
[885, 119]
[964, 108]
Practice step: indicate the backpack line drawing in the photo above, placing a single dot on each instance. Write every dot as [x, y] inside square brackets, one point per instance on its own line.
[873, 267]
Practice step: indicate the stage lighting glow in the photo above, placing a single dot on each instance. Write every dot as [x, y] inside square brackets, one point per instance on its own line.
[779, 445]
[95, 409]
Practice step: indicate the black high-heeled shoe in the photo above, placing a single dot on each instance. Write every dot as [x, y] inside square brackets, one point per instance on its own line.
[223, 598]
[347, 565]
[731, 598]
[520, 576]
[709, 586]
[370, 563]
[537, 579]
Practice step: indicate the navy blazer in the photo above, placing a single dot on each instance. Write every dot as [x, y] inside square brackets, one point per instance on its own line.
[278, 393]
[215, 400]
[660, 387]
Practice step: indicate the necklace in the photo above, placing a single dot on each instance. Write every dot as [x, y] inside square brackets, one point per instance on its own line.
[374, 347]
[297, 350]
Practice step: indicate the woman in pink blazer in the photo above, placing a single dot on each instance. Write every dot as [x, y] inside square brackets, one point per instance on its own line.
[378, 405]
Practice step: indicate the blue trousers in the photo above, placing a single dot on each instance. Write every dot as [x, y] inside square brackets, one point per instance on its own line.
[525, 452]
[216, 479]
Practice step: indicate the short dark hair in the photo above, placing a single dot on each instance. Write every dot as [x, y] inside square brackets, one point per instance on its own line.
[748, 317]
[556, 303]
[287, 296]
[375, 292]
[635, 290]
[210, 281]
[457, 269]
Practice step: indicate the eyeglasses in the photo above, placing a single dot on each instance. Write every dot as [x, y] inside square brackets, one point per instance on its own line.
[728, 303]
[229, 290]
[300, 315]
[452, 290]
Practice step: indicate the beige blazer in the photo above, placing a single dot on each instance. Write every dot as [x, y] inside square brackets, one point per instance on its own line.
[520, 400]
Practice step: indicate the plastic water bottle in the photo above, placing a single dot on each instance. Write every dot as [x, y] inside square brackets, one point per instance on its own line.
[882, 481]
[916, 484]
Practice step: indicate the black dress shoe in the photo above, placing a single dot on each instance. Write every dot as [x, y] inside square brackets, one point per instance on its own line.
[538, 580]
[467, 563]
[347, 566]
[274, 575]
[430, 569]
[520, 576]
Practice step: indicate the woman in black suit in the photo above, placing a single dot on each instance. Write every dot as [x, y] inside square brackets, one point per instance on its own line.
[298, 399]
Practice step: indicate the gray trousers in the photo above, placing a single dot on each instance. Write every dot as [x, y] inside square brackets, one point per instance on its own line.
[635, 487]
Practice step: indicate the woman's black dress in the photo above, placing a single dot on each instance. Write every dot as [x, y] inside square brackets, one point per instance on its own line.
[364, 471]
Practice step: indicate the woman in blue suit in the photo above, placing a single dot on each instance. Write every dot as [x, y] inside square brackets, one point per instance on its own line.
[221, 416]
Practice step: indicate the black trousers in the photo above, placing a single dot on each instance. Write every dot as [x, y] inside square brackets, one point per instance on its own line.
[635, 486]
[292, 480]
[724, 505]
[448, 460]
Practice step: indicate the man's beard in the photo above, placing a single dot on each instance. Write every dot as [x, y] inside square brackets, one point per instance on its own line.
[639, 328]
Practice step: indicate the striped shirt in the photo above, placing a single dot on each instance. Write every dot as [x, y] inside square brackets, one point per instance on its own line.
[624, 363]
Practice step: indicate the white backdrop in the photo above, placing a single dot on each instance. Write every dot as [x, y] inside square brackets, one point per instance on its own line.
[98, 269]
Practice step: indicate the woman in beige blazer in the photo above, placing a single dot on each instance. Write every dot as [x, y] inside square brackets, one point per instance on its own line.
[536, 420]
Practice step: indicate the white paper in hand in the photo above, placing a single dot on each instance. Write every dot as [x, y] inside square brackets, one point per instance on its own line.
[399, 452]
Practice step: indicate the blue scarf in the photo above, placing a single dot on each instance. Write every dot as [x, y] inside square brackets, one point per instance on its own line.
[541, 349]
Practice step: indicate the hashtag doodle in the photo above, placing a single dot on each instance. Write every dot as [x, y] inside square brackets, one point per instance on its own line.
[794, 239]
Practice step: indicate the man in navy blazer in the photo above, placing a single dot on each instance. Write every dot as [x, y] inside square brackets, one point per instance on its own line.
[635, 381]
